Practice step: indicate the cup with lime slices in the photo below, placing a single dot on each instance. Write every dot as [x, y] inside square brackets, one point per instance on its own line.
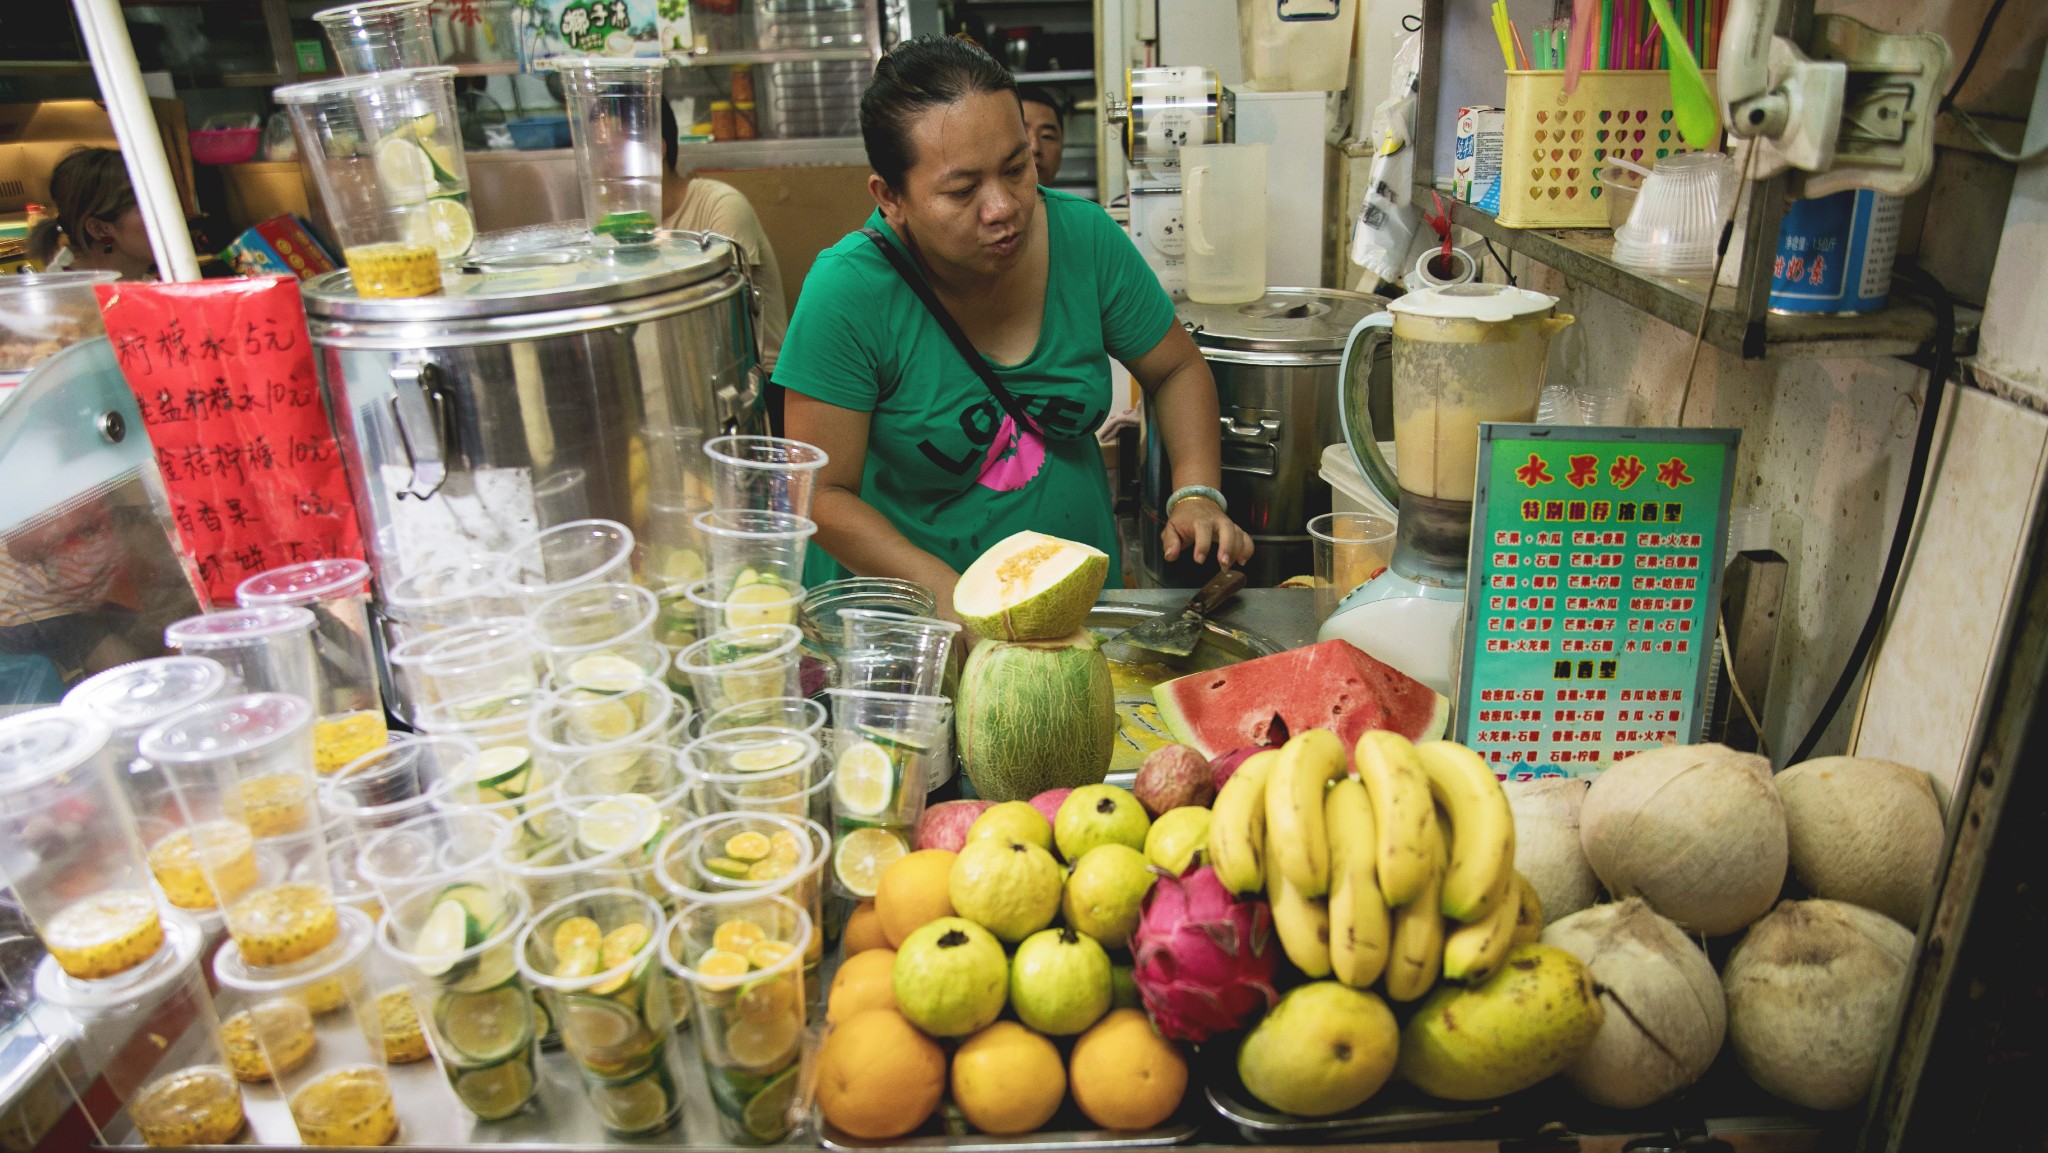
[654, 771]
[593, 958]
[583, 632]
[730, 857]
[763, 769]
[751, 605]
[800, 713]
[572, 722]
[744, 964]
[455, 944]
[386, 153]
[615, 123]
[571, 555]
[572, 844]
[741, 665]
[752, 546]
[468, 663]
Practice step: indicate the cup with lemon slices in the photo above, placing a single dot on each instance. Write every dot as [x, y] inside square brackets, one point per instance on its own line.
[653, 770]
[749, 546]
[742, 665]
[584, 626]
[571, 844]
[743, 962]
[464, 663]
[593, 956]
[766, 769]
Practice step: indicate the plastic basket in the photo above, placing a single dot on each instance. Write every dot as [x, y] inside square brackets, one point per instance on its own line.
[1552, 145]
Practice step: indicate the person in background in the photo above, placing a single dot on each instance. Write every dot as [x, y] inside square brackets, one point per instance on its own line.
[1045, 120]
[694, 204]
[97, 226]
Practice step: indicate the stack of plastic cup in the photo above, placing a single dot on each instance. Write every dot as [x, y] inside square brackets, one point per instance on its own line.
[569, 556]
[591, 955]
[739, 666]
[760, 770]
[337, 593]
[615, 122]
[887, 751]
[381, 36]
[895, 653]
[751, 547]
[824, 631]
[1676, 220]
[386, 153]
[596, 635]
[459, 670]
[265, 650]
[570, 724]
[456, 946]
[442, 597]
[743, 964]
[764, 472]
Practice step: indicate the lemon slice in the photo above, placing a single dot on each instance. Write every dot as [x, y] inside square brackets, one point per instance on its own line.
[680, 567]
[768, 954]
[721, 969]
[749, 846]
[444, 225]
[864, 780]
[605, 673]
[738, 936]
[405, 170]
[728, 868]
[769, 870]
[577, 942]
[764, 1042]
[610, 823]
[783, 847]
[765, 756]
[601, 721]
[763, 603]
[863, 855]
[619, 946]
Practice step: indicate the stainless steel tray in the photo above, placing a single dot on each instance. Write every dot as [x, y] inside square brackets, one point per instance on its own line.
[1261, 1125]
[1179, 1132]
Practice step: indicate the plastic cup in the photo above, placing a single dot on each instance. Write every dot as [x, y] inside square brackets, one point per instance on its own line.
[647, 659]
[432, 851]
[718, 858]
[614, 108]
[466, 661]
[888, 750]
[386, 153]
[902, 653]
[470, 997]
[436, 598]
[572, 724]
[590, 635]
[739, 666]
[822, 607]
[176, 1095]
[802, 714]
[743, 963]
[1351, 549]
[334, 1082]
[612, 1011]
[396, 783]
[756, 770]
[267, 650]
[768, 473]
[68, 846]
[654, 771]
[569, 556]
[752, 546]
[337, 593]
[757, 605]
[574, 844]
[382, 36]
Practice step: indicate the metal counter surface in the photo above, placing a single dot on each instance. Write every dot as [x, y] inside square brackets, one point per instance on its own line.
[1285, 616]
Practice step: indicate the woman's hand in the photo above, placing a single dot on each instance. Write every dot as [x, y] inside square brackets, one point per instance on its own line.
[1197, 523]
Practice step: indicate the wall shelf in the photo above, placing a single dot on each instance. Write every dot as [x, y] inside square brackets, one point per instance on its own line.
[771, 56]
[1064, 76]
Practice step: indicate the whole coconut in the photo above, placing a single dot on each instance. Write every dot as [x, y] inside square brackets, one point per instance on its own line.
[1547, 848]
[1664, 1016]
[1811, 991]
[1698, 831]
[944, 826]
[1172, 777]
[1864, 831]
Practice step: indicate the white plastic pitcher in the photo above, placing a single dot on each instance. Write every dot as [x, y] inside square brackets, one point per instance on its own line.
[1225, 211]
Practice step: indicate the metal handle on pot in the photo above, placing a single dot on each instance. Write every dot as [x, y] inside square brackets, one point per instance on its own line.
[1354, 403]
[1251, 442]
[415, 407]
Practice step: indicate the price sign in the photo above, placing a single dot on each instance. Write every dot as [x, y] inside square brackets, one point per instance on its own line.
[1590, 604]
[222, 371]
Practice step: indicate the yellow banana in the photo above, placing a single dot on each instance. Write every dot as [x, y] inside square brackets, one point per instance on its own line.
[1237, 826]
[1404, 820]
[1529, 913]
[1359, 928]
[1474, 951]
[1303, 924]
[1417, 950]
[1298, 845]
[1483, 829]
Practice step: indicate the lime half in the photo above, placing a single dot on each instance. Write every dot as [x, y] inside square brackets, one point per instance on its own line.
[611, 823]
[600, 720]
[766, 1117]
[485, 1028]
[405, 170]
[444, 225]
[497, 1092]
[635, 1107]
[862, 857]
[864, 780]
[605, 673]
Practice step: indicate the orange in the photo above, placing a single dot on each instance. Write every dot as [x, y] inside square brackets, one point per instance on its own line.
[864, 981]
[1125, 1075]
[878, 1077]
[864, 930]
[915, 891]
[1008, 1079]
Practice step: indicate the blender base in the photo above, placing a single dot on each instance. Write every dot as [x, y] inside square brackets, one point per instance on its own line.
[1414, 627]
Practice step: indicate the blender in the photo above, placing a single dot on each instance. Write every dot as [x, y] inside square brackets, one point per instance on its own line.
[1463, 354]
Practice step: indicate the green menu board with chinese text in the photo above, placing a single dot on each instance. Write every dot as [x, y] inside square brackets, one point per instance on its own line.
[1590, 602]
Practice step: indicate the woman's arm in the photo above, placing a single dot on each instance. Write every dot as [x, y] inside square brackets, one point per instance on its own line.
[1183, 396]
[850, 528]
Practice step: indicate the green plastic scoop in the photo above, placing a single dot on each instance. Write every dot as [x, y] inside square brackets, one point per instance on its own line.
[1692, 104]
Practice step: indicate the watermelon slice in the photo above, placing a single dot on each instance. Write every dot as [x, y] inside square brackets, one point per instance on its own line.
[1332, 685]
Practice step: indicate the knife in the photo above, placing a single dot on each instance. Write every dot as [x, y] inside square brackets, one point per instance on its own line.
[1178, 635]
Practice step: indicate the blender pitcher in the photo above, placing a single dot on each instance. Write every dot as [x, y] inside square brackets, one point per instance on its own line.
[1463, 354]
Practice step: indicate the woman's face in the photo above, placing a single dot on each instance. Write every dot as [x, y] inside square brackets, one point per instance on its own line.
[129, 237]
[969, 196]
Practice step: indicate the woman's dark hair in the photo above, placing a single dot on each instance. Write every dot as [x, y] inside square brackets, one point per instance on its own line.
[920, 73]
[88, 184]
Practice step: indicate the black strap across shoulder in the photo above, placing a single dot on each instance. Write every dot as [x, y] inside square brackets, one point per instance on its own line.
[972, 355]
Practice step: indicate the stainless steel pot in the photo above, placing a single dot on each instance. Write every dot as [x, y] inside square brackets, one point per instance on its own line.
[1275, 361]
[540, 386]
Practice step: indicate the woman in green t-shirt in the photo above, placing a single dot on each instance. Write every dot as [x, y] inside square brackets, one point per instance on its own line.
[929, 464]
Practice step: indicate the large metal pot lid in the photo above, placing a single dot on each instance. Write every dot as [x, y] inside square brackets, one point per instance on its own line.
[510, 279]
[1283, 320]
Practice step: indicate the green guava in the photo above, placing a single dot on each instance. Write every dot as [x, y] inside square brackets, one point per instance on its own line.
[1099, 815]
[950, 977]
[1007, 886]
[1107, 893]
[1060, 982]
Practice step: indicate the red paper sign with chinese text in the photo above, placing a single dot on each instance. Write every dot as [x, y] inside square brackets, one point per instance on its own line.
[223, 373]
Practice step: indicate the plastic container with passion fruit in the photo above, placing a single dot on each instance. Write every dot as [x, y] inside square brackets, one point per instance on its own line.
[175, 1094]
[68, 846]
[337, 592]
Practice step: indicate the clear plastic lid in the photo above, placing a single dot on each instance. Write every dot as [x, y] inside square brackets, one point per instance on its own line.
[129, 698]
[228, 728]
[1484, 302]
[351, 941]
[305, 584]
[42, 744]
[183, 942]
[237, 628]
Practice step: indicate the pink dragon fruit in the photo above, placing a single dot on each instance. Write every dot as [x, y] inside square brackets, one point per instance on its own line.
[1204, 959]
